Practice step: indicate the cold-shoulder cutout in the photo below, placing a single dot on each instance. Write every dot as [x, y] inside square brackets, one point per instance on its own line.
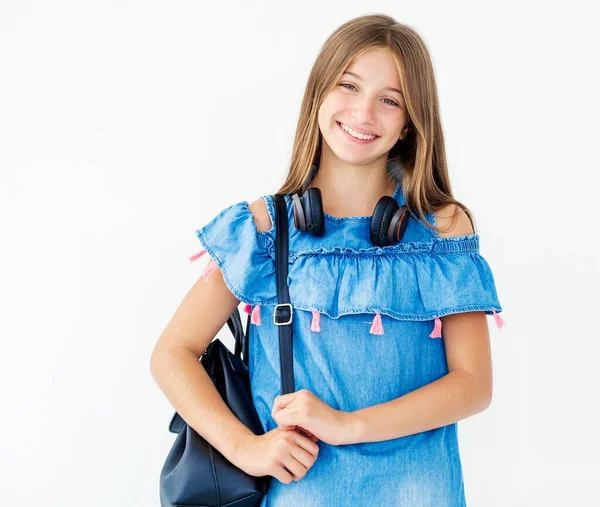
[244, 254]
[262, 218]
[445, 216]
[423, 277]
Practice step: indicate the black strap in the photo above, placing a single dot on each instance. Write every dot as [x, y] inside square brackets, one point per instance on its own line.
[283, 313]
[235, 326]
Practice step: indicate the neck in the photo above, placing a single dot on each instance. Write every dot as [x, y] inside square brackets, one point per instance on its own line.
[352, 190]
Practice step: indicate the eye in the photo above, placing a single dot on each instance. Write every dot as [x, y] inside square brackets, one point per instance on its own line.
[393, 103]
[348, 84]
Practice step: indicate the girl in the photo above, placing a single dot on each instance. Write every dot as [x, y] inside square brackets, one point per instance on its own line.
[390, 336]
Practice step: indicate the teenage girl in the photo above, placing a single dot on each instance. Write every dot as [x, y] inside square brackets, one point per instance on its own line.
[390, 335]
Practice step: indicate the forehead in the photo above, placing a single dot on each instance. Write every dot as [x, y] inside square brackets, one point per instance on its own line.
[377, 65]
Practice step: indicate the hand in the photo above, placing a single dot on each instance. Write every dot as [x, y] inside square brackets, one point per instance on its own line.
[306, 412]
[285, 455]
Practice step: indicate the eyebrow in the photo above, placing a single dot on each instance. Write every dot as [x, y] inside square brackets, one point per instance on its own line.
[386, 88]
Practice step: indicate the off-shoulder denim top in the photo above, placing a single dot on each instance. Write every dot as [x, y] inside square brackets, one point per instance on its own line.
[366, 330]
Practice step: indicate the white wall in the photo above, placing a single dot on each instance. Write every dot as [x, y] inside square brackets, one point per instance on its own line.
[124, 126]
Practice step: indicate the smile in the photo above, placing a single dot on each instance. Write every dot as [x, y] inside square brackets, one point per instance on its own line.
[355, 136]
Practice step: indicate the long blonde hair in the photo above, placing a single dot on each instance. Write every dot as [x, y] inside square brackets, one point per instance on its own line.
[419, 161]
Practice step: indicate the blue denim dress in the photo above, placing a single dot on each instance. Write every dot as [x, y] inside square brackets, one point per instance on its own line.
[366, 330]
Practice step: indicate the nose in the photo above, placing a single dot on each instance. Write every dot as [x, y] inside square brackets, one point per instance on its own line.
[364, 112]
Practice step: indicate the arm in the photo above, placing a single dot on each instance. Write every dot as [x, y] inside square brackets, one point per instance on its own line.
[463, 392]
[176, 368]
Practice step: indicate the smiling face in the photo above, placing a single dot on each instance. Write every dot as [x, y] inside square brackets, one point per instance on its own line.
[363, 104]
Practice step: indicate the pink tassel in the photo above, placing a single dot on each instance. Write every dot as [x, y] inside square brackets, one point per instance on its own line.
[437, 329]
[209, 270]
[255, 316]
[247, 309]
[498, 319]
[197, 255]
[377, 327]
[316, 320]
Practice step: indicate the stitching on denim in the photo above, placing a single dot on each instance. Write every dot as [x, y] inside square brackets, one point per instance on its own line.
[462, 244]
[452, 245]
[268, 243]
[435, 246]
[352, 218]
[228, 281]
[371, 310]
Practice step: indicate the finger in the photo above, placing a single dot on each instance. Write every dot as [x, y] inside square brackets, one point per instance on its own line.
[283, 400]
[285, 419]
[304, 432]
[294, 467]
[280, 404]
[304, 457]
[283, 426]
[282, 474]
[312, 437]
[308, 433]
[305, 444]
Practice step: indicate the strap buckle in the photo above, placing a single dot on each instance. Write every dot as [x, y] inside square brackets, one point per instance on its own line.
[277, 314]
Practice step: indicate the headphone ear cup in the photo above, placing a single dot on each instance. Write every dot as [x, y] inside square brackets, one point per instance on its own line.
[399, 223]
[313, 204]
[308, 212]
[299, 216]
[385, 220]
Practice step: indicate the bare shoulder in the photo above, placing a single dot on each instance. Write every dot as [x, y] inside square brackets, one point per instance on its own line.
[261, 214]
[453, 216]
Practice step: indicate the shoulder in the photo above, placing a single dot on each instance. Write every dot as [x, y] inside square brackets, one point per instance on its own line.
[261, 215]
[453, 218]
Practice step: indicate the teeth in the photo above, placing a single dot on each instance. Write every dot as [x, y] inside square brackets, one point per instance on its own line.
[356, 134]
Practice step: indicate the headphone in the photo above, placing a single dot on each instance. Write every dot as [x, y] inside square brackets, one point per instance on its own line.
[388, 222]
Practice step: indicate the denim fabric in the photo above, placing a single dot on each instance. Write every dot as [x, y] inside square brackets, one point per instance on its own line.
[347, 279]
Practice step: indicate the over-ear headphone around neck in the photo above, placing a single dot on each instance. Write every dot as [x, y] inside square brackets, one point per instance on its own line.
[388, 222]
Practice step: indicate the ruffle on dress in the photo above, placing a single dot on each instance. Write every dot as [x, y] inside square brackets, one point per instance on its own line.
[245, 256]
[418, 280]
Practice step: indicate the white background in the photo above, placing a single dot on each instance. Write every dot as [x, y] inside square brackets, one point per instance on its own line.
[124, 126]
